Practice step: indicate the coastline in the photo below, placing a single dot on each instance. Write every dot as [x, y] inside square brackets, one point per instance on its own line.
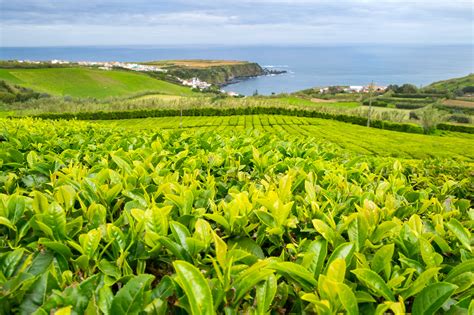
[265, 72]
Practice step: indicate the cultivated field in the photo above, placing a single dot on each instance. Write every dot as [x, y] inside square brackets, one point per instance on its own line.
[354, 138]
[106, 220]
[196, 63]
[459, 103]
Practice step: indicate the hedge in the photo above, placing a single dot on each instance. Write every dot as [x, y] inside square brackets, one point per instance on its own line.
[376, 103]
[458, 128]
[409, 106]
[419, 95]
[406, 100]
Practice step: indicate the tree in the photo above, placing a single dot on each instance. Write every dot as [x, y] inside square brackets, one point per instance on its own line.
[334, 90]
[408, 89]
[393, 87]
[468, 89]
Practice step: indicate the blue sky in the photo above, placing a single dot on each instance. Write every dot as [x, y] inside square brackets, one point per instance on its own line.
[239, 22]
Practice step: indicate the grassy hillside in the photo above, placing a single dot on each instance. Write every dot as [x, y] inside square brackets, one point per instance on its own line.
[84, 82]
[453, 84]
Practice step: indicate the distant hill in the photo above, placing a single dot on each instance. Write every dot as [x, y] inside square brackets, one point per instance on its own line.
[87, 82]
[464, 84]
[212, 71]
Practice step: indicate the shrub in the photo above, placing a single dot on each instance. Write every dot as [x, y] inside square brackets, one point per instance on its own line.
[429, 120]
[468, 89]
[409, 106]
[462, 119]
[414, 115]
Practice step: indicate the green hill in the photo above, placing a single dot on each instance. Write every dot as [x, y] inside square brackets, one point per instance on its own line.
[86, 82]
[452, 85]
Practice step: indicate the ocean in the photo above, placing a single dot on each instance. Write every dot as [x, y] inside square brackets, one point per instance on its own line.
[306, 66]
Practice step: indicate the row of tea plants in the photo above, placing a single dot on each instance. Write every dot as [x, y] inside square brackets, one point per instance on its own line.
[96, 220]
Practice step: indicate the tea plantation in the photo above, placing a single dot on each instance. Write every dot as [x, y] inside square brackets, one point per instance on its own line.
[98, 219]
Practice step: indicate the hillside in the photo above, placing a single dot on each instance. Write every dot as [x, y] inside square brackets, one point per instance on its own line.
[212, 71]
[453, 85]
[86, 82]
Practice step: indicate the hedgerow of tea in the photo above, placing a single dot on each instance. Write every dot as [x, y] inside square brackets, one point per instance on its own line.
[101, 220]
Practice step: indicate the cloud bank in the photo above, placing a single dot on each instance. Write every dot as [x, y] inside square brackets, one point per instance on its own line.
[225, 22]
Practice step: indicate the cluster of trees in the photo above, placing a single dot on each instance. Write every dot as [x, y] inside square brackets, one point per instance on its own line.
[14, 64]
[403, 89]
[465, 90]
[410, 89]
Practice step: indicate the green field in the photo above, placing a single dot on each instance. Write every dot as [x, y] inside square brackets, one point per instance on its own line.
[94, 83]
[296, 101]
[354, 138]
[225, 219]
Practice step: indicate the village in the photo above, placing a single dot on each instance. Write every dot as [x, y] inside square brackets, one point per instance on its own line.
[352, 89]
[103, 65]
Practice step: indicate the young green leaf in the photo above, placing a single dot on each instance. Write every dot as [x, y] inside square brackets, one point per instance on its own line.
[344, 251]
[462, 234]
[265, 294]
[250, 277]
[374, 282]
[358, 231]
[383, 260]
[297, 273]
[431, 298]
[314, 257]
[347, 298]
[420, 282]
[196, 288]
[130, 298]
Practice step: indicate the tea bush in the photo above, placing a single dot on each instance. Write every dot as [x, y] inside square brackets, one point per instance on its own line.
[99, 220]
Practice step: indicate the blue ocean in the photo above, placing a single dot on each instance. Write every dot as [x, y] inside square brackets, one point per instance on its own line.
[306, 66]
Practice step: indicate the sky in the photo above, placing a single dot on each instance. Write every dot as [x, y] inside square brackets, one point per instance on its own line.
[239, 22]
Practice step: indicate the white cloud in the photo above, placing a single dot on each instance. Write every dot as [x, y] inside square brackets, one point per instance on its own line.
[41, 22]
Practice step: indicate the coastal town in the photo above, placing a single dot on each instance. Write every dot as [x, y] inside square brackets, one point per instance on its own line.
[103, 65]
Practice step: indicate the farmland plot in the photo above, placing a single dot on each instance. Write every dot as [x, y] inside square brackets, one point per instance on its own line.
[356, 138]
[95, 220]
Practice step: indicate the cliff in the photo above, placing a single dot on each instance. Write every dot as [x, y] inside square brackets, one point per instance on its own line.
[214, 72]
